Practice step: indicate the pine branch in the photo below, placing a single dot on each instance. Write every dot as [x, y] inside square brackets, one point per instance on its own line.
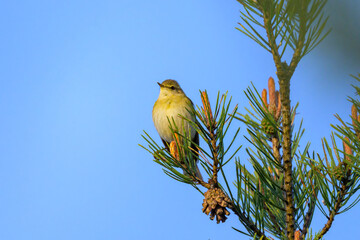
[336, 209]
[284, 73]
[284, 76]
[301, 41]
[308, 218]
[274, 220]
[248, 223]
[287, 161]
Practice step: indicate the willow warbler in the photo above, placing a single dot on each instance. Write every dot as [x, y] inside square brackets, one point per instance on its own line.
[171, 103]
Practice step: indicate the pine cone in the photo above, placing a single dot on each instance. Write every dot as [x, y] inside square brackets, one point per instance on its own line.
[341, 171]
[267, 127]
[338, 172]
[215, 203]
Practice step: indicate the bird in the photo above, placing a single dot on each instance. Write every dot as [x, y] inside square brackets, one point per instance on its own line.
[171, 103]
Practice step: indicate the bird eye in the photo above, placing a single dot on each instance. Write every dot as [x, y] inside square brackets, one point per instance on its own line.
[172, 88]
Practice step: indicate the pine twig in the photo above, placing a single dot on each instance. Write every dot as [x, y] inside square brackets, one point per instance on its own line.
[335, 210]
[308, 217]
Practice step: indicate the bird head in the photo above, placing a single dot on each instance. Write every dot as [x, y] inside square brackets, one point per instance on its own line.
[170, 87]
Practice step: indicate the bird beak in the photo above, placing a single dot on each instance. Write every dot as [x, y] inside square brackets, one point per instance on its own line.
[160, 84]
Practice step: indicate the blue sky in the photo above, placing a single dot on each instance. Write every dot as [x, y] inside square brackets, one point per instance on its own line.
[77, 86]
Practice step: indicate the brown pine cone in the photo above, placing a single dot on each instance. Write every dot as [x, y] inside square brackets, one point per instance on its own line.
[215, 203]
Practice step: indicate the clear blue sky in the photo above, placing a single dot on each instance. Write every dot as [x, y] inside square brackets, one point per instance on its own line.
[77, 86]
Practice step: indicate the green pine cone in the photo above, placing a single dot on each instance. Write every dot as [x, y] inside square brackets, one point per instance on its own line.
[267, 127]
[340, 172]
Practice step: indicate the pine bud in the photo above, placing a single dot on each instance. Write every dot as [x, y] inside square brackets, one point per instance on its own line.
[264, 97]
[206, 109]
[173, 150]
[354, 114]
[347, 149]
